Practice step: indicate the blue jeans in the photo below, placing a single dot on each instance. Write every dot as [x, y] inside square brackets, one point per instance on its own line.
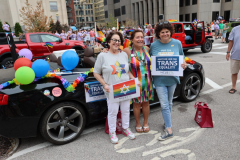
[165, 96]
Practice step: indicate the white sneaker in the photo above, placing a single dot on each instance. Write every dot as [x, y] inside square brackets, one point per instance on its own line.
[127, 132]
[113, 137]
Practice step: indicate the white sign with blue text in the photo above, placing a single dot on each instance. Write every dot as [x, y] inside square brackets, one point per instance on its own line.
[167, 65]
[94, 91]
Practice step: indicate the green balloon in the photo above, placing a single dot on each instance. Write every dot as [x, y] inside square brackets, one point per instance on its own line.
[25, 75]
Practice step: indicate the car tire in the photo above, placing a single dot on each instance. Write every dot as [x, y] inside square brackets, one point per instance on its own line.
[207, 46]
[63, 123]
[7, 62]
[191, 87]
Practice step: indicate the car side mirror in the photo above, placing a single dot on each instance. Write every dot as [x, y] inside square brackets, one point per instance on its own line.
[60, 40]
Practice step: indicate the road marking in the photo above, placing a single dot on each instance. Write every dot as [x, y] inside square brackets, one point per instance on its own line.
[155, 140]
[156, 158]
[212, 84]
[170, 140]
[216, 44]
[221, 47]
[175, 152]
[187, 130]
[124, 150]
[192, 156]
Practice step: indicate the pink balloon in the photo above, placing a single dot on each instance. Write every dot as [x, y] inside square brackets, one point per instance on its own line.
[25, 53]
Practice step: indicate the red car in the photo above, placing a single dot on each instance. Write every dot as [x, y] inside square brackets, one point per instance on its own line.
[36, 43]
[192, 36]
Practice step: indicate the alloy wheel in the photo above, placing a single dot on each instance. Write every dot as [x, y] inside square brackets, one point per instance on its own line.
[192, 87]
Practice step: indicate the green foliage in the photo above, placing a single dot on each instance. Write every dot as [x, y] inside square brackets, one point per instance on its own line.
[18, 29]
[52, 26]
[9, 27]
[1, 24]
[112, 22]
[58, 27]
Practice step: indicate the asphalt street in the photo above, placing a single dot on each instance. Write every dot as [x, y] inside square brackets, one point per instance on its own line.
[189, 142]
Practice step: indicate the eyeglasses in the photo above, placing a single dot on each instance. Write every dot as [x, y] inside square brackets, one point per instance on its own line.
[165, 22]
[115, 40]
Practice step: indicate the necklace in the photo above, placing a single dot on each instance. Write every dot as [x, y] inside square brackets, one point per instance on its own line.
[140, 58]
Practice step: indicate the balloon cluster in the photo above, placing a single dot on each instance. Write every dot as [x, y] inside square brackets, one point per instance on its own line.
[189, 61]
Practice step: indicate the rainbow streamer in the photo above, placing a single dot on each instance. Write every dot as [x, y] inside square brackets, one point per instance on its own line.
[50, 45]
[100, 33]
[172, 20]
[124, 89]
[101, 39]
[127, 43]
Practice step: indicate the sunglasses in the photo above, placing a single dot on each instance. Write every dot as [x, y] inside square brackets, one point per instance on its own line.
[115, 40]
[165, 22]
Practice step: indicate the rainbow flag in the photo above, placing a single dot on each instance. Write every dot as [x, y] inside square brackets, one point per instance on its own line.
[49, 44]
[172, 20]
[127, 43]
[101, 39]
[99, 33]
[146, 24]
[124, 89]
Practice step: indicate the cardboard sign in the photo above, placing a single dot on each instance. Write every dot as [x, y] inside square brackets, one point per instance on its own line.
[94, 91]
[167, 65]
[88, 38]
[124, 91]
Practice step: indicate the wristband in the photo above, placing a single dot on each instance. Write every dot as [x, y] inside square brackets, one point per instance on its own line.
[228, 52]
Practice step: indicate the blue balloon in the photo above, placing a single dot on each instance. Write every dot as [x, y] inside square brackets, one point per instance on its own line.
[69, 60]
[40, 67]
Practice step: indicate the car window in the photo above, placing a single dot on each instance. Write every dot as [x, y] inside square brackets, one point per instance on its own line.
[178, 28]
[187, 27]
[49, 38]
[235, 24]
[34, 38]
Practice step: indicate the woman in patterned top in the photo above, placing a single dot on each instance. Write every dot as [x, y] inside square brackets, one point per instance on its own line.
[140, 66]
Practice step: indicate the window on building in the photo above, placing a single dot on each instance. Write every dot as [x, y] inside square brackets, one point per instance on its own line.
[116, 1]
[89, 18]
[117, 12]
[86, 12]
[187, 17]
[91, 12]
[76, 7]
[227, 0]
[77, 19]
[105, 2]
[187, 2]
[181, 3]
[123, 10]
[181, 17]
[77, 13]
[216, 1]
[215, 15]
[92, 19]
[227, 15]
[86, 18]
[53, 6]
[86, 6]
[82, 19]
[194, 2]
[194, 15]
[91, 6]
[106, 14]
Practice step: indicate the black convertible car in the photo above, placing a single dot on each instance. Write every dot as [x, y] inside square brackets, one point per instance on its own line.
[27, 109]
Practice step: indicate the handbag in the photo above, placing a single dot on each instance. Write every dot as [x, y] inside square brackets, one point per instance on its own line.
[203, 116]
[118, 125]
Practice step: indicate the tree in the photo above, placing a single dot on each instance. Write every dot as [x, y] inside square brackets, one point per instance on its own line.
[1, 29]
[58, 27]
[18, 29]
[131, 23]
[52, 26]
[65, 27]
[34, 19]
[112, 22]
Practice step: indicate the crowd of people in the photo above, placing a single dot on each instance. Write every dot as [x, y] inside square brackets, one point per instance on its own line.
[219, 29]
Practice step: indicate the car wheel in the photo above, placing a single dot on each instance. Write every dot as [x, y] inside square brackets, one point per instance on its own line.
[191, 86]
[7, 62]
[63, 123]
[207, 46]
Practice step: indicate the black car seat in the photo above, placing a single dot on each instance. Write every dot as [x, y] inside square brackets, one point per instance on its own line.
[88, 58]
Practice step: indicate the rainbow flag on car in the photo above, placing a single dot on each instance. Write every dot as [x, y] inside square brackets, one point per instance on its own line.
[49, 44]
[127, 43]
[124, 89]
[172, 20]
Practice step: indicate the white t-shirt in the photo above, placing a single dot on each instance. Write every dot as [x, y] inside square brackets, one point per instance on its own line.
[146, 38]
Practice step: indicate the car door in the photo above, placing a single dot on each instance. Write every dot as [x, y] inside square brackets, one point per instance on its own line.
[179, 32]
[34, 44]
[200, 33]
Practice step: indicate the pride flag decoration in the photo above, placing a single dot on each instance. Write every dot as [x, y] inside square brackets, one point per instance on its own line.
[99, 33]
[127, 43]
[101, 39]
[49, 44]
[146, 24]
[124, 89]
[172, 20]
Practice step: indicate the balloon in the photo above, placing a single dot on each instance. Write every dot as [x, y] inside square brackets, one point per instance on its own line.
[40, 67]
[69, 60]
[20, 62]
[25, 75]
[25, 53]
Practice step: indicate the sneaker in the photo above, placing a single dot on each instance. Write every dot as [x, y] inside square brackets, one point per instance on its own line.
[113, 137]
[165, 136]
[164, 128]
[127, 132]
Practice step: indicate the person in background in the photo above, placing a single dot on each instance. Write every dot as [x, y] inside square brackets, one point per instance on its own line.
[166, 85]
[150, 34]
[69, 32]
[63, 35]
[213, 29]
[5, 27]
[106, 66]
[73, 36]
[57, 34]
[233, 47]
[225, 28]
[216, 28]
[220, 28]
[92, 37]
[79, 35]
[208, 28]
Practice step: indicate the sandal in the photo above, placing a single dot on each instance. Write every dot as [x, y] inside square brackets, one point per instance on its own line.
[139, 129]
[145, 129]
[232, 91]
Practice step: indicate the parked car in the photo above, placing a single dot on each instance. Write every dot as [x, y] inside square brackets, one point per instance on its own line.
[200, 39]
[27, 109]
[231, 25]
[36, 43]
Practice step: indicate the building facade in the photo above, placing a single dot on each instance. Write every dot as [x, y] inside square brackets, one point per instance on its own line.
[148, 11]
[10, 10]
[99, 11]
[84, 13]
[71, 12]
